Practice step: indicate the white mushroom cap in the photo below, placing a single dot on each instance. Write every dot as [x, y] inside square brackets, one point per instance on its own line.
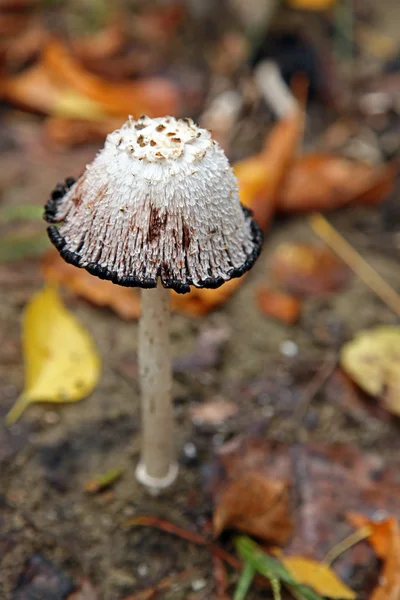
[159, 200]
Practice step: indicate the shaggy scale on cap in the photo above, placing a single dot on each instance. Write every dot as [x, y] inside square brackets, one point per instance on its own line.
[160, 200]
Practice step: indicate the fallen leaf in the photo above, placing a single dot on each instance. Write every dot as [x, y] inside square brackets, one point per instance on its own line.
[307, 269]
[275, 571]
[61, 362]
[311, 4]
[102, 481]
[381, 531]
[123, 301]
[35, 90]
[372, 360]
[278, 305]
[327, 481]
[385, 539]
[318, 576]
[324, 182]
[155, 96]
[260, 177]
[255, 505]
[70, 132]
[213, 413]
[199, 302]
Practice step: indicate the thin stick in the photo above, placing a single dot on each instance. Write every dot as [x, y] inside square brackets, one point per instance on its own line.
[194, 538]
[356, 262]
[346, 544]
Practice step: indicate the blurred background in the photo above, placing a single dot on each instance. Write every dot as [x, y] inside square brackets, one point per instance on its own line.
[290, 373]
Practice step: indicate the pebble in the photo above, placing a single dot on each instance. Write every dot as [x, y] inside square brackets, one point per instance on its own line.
[143, 570]
[288, 348]
[198, 584]
[190, 455]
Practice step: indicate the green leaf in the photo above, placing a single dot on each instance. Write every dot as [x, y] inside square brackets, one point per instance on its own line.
[272, 569]
[244, 583]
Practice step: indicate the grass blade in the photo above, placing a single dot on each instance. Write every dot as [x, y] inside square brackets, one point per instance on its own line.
[244, 583]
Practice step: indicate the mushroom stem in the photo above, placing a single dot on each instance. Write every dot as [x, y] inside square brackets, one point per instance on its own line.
[157, 467]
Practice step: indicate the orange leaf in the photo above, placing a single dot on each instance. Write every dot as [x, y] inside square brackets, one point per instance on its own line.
[123, 301]
[261, 176]
[381, 531]
[257, 506]
[385, 539]
[199, 302]
[32, 89]
[278, 305]
[307, 269]
[154, 96]
[318, 182]
[311, 4]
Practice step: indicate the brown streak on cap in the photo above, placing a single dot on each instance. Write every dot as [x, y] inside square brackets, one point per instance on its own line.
[156, 224]
[185, 237]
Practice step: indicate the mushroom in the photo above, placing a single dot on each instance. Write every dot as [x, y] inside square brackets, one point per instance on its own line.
[158, 208]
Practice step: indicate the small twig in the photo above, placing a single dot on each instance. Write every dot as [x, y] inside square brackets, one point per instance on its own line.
[356, 262]
[194, 538]
[346, 544]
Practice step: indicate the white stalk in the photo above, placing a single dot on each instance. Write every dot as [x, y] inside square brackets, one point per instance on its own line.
[157, 468]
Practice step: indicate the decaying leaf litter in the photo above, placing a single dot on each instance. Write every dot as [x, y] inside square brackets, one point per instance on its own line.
[69, 498]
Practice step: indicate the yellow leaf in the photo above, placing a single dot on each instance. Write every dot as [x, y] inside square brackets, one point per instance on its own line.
[318, 576]
[61, 361]
[311, 4]
[73, 105]
[372, 360]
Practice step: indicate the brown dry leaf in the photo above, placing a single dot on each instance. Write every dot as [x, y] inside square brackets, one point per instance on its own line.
[278, 305]
[323, 182]
[31, 89]
[213, 413]
[154, 96]
[74, 132]
[124, 302]
[261, 176]
[255, 505]
[35, 90]
[372, 360]
[385, 539]
[307, 269]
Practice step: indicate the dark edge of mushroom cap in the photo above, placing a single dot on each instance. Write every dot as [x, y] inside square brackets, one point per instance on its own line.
[132, 281]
